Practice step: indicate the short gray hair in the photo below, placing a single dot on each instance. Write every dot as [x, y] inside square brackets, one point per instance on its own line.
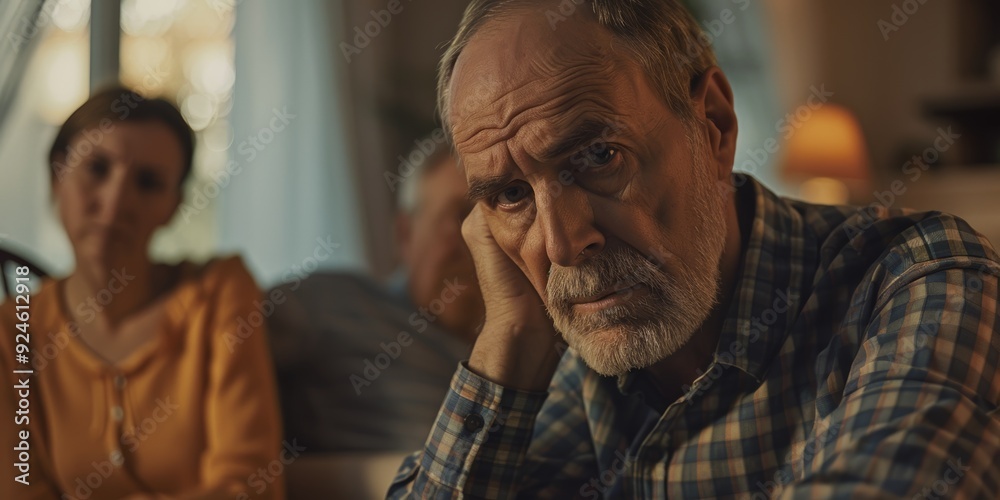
[662, 36]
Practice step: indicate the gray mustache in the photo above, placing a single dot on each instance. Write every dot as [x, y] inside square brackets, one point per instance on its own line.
[617, 268]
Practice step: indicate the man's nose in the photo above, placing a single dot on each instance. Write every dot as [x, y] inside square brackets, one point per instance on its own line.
[567, 221]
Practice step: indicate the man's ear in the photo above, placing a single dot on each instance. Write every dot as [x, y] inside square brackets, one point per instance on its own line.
[713, 101]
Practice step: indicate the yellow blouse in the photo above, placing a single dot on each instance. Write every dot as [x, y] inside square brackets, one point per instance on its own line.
[193, 413]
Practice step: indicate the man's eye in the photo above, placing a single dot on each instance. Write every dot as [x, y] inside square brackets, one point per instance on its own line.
[512, 194]
[597, 156]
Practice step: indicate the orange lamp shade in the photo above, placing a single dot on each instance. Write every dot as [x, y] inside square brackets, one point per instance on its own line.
[828, 144]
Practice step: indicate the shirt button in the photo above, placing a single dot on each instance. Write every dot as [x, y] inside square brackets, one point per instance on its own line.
[474, 422]
[117, 413]
[117, 459]
[120, 381]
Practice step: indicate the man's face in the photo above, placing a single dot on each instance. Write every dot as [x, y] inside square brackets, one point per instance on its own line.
[436, 254]
[601, 196]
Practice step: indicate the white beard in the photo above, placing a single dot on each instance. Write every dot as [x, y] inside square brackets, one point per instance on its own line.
[649, 328]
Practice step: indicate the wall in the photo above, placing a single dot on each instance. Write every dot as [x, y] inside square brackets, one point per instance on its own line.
[883, 81]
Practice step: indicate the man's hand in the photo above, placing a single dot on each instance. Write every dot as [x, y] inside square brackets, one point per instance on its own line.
[516, 348]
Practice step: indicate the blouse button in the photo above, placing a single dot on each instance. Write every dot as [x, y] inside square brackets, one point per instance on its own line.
[117, 413]
[117, 459]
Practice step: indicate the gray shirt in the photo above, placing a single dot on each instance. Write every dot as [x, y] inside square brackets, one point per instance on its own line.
[359, 367]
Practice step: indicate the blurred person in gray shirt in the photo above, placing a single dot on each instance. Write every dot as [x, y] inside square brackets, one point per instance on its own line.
[363, 366]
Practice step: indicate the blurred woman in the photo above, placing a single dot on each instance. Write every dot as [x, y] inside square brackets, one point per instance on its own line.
[150, 380]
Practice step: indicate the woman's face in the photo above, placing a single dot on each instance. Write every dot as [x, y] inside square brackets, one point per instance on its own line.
[118, 187]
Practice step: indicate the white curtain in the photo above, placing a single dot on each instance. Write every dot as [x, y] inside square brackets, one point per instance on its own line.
[292, 206]
[28, 224]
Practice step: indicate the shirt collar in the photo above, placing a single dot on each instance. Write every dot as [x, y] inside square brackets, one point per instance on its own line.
[779, 259]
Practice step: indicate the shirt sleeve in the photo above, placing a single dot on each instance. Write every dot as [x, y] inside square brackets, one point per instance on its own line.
[918, 415]
[487, 443]
[243, 425]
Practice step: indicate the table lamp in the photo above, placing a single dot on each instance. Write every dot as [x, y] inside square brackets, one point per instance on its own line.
[828, 158]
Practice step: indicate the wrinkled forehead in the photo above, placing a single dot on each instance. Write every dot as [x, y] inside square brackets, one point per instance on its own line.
[520, 55]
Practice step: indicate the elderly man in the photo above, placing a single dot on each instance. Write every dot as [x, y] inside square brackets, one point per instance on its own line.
[724, 342]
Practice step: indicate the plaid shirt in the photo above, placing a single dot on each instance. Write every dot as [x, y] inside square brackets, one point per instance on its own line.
[859, 358]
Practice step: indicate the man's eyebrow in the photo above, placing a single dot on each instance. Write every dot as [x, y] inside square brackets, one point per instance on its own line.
[582, 135]
[483, 187]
